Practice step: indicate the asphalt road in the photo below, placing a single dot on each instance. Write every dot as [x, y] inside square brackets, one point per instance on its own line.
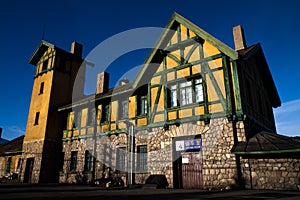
[90, 193]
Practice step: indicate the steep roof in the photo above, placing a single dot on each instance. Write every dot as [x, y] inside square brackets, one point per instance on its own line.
[40, 50]
[164, 39]
[266, 143]
[3, 141]
[42, 47]
[257, 52]
[12, 147]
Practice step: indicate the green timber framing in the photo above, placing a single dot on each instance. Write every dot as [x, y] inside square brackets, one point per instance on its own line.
[231, 104]
[92, 100]
[231, 113]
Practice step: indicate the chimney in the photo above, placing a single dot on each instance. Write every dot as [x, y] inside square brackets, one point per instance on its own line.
[76, 49]
[123, 81]
[239, 38]
[102, 82]
[0, 132]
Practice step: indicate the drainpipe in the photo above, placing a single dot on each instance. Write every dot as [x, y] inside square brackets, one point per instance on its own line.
[94, 153]
[131, 148]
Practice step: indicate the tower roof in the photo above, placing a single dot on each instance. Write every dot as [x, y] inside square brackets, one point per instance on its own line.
[40, 50]
[43, 46]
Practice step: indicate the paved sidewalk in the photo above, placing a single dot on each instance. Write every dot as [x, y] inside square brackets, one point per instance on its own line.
[66, 192]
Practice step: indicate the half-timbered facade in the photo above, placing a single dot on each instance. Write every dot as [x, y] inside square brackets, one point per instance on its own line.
[186, 108]
[192, 102]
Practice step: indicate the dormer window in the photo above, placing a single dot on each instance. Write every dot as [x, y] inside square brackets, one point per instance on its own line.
[124, 109]
[106, 113]
[143, 105]
[91, 117]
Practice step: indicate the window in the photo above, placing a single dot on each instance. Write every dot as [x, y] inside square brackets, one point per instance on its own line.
[78, 119]
[73, 163]
[42, 88]
[142, 158]
[8, 164]
[71, 121]
[62, 160]
[186, 96]
[173, 95]
[37, 116]
[88, 161]
[185, 93]
[106, 113]
[199, 90]
[124, 109]
[45, 65]
[144, 106]
[19, 163]
[92, 117]
[121, 158]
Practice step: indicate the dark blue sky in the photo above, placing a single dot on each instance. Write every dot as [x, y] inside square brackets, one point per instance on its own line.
[275, 24]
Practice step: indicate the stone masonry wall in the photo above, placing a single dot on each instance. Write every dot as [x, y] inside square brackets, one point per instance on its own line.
[219, 165]
[105, 157]
[160, 153]
[141, 138]
[32, 149]
[107, 154]
[271, 173]
[72, 177]
[220, 169]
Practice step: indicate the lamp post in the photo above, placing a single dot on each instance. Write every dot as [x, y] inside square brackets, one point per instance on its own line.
[131, 148]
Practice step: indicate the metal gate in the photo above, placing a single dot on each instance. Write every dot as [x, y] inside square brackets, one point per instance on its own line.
[192, 170]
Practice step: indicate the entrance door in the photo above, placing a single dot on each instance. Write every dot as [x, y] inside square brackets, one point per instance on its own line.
[28, 170]
[192, 170]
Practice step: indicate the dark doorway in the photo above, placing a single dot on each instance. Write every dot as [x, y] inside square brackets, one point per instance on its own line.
[177, 173]
[28, 170]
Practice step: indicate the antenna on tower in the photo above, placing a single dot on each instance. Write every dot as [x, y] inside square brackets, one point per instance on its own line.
[44, 30]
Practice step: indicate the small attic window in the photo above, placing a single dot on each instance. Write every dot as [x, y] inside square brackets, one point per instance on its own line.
[45, 65]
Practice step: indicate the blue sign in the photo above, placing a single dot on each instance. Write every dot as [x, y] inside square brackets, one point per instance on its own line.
[192, 144]
[184, 145]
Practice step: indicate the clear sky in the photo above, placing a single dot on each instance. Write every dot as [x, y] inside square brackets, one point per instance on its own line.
[274, 24]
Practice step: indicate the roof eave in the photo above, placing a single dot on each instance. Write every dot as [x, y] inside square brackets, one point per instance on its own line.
[11, 153]
[276, 102]
[266, 152]
[93, 99]
[39, 50]
[203, 34]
